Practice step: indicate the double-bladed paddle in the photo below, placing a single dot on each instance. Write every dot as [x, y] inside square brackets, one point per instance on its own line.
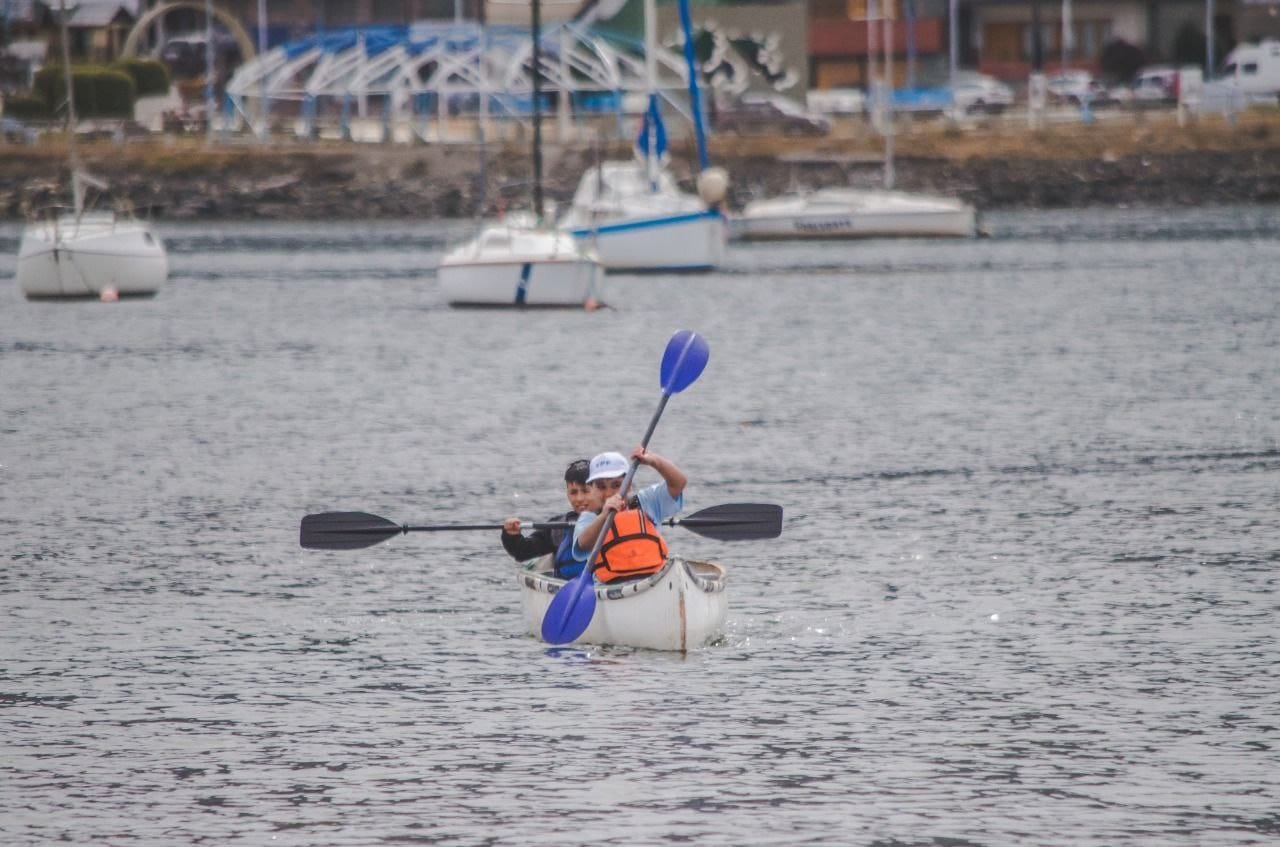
[355, 530]
[573, 606]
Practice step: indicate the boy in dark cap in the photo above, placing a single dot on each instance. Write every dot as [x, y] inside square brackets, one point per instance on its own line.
[540, 542]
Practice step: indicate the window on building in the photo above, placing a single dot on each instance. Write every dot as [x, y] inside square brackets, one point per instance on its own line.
[1002, 43]
[1088, 39]
[860, 10]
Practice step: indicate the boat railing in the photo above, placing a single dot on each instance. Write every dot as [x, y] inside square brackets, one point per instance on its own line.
[65, 219]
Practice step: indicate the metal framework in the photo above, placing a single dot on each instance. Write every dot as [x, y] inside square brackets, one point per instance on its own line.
[429, 72]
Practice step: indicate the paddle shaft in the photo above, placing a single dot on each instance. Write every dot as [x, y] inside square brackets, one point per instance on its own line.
[469, 526]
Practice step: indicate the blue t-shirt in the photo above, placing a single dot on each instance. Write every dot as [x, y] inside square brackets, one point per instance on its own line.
[655, 501]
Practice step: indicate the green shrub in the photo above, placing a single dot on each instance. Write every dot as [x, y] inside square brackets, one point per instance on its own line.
[100, 92]
[150, 76]
[27, 108]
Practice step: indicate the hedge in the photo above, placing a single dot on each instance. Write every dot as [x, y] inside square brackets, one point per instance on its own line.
[27, 108]
[150, 76]
[100, 92]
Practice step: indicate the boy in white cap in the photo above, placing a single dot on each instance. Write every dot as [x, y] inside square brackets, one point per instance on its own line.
[632, 547]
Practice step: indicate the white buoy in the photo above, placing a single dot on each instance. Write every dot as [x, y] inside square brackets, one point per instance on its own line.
[713, 185]
[109, 295]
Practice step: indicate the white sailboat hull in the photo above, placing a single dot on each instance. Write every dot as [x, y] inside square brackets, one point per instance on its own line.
[520, 267]
[852, 213]
[680, 608]
[682, 242]
[84, 256]
[641, 221]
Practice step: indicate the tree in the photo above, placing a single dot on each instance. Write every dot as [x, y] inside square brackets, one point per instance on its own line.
[1188, 45]
[1121, 60]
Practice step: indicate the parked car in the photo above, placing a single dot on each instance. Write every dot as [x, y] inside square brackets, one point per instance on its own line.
[1076, 87]
[16, 132]
[1155, 85]
[186, 55]
[836, 101]
[769, 113]
[975, 92]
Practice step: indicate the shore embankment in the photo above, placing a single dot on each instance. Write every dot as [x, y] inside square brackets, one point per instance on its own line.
[994, 164]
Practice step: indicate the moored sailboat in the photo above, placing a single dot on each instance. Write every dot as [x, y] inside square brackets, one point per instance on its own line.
[633, 213]
[78, 252]
[517, 263]
[855, 213]
[521, 262]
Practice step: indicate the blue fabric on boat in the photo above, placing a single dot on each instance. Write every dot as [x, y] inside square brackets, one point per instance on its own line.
[566, 565]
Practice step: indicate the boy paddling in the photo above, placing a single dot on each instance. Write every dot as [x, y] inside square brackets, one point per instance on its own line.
[632, 547]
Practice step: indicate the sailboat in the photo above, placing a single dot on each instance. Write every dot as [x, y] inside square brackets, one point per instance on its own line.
[855, 213]
[633, 213]
[849, 212]
[520, 261]
[79, 252]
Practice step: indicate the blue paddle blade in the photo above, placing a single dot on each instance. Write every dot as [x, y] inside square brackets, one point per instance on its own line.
[571, 610]
[682, 362]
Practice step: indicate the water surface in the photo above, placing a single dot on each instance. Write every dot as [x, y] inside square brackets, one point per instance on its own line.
[1026, 591]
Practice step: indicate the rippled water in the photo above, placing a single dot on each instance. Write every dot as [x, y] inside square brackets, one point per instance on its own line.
[1026, 592]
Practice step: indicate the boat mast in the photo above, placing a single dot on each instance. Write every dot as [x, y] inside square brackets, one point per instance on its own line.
[650, 73]
[72, 155]
[695, 99]
[210, 105]
[536, 14]
[888, 21]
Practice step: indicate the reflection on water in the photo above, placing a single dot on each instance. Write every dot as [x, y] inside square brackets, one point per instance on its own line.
[1026, 585]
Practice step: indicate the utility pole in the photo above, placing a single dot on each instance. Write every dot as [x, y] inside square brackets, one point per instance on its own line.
[910, 9]
[536, 13]
[953, 32]
[262, 81]
[1037, 42]
[210, 104]
[1208, 40]
[1067, 40]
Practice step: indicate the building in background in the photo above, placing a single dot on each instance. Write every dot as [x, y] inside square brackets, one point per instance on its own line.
[841, 40]
[1257, 19]
[96, 28]
[999, 37]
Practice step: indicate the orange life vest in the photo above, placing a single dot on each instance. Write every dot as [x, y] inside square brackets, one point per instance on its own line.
[632, 547]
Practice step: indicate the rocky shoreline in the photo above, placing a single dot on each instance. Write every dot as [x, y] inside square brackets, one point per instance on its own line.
[184, 179]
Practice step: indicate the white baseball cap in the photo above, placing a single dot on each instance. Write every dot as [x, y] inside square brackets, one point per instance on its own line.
[607, 466]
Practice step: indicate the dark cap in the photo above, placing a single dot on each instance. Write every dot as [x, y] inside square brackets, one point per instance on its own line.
[577, 471]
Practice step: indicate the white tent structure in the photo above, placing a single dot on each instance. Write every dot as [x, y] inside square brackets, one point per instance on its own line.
[432, 81]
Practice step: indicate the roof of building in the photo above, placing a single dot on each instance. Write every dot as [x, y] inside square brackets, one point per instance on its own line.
[21, 10]
[95, 13]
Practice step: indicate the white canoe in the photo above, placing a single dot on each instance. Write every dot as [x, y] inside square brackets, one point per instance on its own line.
[680, 608]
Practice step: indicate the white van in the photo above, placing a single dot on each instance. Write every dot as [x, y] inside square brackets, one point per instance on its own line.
[1250, 74]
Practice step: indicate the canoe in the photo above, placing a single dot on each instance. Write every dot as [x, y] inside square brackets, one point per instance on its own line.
[680, 608]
